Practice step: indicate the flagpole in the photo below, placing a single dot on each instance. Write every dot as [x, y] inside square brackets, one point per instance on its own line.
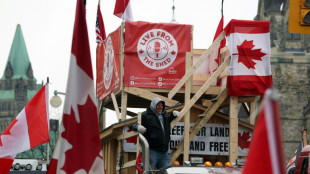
[48, 143]
[222, 8]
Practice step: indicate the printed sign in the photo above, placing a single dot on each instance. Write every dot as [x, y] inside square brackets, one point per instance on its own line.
[212, 139]
[155, 53]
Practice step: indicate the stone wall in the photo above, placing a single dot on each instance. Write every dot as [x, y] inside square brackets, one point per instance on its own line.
[291, 78]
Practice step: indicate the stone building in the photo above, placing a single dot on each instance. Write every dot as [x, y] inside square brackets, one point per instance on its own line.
[17, 87]
[290, 60]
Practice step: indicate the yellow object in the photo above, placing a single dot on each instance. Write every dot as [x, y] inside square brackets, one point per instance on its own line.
[175, 163]
[299, 16]
[219, 164]
[208, 163]
[228, 164]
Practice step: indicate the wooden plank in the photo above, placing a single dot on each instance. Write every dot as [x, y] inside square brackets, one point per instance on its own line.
[127, 135]
[128, 164]
[253, 111]
[118, 115]
[138, 141]
[199, 124]
[189, 73]
[233, 129]
[124, 105]
[187, 98]
[149, 95]
[201, 91]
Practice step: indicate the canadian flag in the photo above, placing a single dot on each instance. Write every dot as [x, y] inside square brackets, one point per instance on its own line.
[78, 148]
[266, 150]
[27, 130]
[249, 71]
[123, 10]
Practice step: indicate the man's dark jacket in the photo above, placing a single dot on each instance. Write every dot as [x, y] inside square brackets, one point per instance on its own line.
[157, 138]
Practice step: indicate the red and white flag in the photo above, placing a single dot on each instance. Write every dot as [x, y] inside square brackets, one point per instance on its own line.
[266, 150]
[107, 65]
[100, 31]
[78, 148]
[27, 130]
[215, 55]
[249, 45]
[123, 10]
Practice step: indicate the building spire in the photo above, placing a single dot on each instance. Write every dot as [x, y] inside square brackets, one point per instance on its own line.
[18, 60]
[173, 20]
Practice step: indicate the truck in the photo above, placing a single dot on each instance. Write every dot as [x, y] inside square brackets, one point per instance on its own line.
[196, 165]
[302, 161]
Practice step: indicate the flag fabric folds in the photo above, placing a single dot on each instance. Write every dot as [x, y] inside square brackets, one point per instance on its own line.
[249, 45]
[123, 10]
[266, 149]
[215, 55]
[100, 31]
[78, 148]
[107, 65]
[27, 130]
[139, 163]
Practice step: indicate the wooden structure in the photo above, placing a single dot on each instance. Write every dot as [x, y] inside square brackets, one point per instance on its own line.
[197, 104]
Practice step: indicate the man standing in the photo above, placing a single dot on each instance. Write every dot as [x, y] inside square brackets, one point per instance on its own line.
[156, 129]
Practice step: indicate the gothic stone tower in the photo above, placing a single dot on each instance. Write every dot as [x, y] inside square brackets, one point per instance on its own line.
[17, 85]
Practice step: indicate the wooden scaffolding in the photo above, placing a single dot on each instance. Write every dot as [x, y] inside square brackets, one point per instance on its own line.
[197, 104]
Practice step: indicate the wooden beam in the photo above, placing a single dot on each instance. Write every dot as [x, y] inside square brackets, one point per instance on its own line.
[199, 124]
[233, 129]
[149, 95]
[203, 57]
[124, 105]
[201, 91]
[118, 115]
[187, 97]
[253, 111]
[127, 135]
[138, 141]
[126, 165]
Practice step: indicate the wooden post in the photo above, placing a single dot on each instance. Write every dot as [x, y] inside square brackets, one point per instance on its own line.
[233, 129]
[138, 143]
[253, 111]
[187, 98]
[124, 105]
[115, 106]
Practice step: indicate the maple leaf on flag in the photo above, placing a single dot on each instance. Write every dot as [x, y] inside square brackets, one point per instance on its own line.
[243, 140]
[131, 139]
[86, 138]
[247, 54]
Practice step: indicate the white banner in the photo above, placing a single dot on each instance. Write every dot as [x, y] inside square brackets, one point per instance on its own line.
[212, 139]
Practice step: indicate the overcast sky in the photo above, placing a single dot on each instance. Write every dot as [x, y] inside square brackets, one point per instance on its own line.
[47, 26]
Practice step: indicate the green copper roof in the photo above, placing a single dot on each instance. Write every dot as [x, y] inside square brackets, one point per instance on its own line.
[18, 56]
[7, 94]
[10, 94]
